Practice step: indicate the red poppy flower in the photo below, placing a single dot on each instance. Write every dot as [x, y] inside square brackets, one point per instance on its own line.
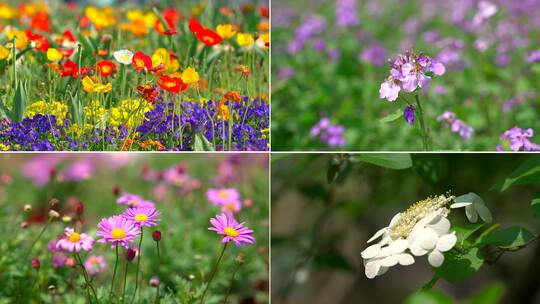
[40, 21]
[105, 67]
[148, 93]
[66, 52]
[263, 10]
[68, 35]
[84, 22]
[141, 61]
[205, 35]
[85, 71]
[41, 43]
[194, 25]
[226, 11]
[69, 68]
[171, 16]
[172, 84]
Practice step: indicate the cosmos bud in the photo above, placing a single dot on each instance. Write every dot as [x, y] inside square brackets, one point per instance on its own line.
[130, 254]
[116, 190]
[156, 235]
[154, 281]
[36, 263]
[79, 209]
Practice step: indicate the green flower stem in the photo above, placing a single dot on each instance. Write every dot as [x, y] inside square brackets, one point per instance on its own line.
[157, 300]
[125, 280]
[37, 239]
[431, 282]
[425, 135]
[89, 286]
[138, 265]
[213, 272]
[14, 59]
[115, 267]
[232, 282]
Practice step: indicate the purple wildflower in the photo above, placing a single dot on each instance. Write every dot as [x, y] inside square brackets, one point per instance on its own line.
[226, 225]
[95, 264]
[374, 53]
[142, 216]
[534, 56]
[408, 114]
[117, 230]
[133, 200]
[331, 134]
[456, 125]
[347, 13]
[519, 139]
[75, 242]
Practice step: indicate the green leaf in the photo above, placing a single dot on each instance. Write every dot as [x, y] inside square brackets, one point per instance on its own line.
[76, 109]
[396, 161]
[464, 232]
[19, 102]
[332, 260]
[527, 173]
[202, 144]
[5, 109]
[514, 236]
[458, 267]
[491, 294]
[429, 297]
[535, 206]
[394, 116]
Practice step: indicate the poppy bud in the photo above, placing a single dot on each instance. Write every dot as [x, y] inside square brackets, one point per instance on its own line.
[116, 190]
[156, 235]
[79, 208]
[130, 254]
[36, 263]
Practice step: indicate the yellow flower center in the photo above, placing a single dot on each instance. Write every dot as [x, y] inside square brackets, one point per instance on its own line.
[229, 231]
[230, 207]
[170, 84]
[139, 63]
[106, 69]
[141, 217]
[133, 202]
[74, 237]
[223, 194]
[118, 233]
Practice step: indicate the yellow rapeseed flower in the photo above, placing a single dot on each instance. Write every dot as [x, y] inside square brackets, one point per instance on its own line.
[190, 76]
[244, 39]
[226, 31]
[54, 54]
[55, 108]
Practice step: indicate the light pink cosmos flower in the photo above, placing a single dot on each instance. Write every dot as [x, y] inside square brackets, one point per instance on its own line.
[142, 216]
[133, 200]
[226, 225]
[95, 264]
[222, 196]
[75, 242]
[117, 230]
[80, 170]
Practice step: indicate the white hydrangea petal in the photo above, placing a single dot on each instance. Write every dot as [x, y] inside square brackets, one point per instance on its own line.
[441, 227]
[417, 250]
[394, 219]
[476, 199]
[398, 246]
[428, 219]
[460, 205]
[389, 261]
[428, 239]
[465, 198]
[446, 242]
[484, 212]
[385, 251]
[435, 258]
[471, 214]
[371, 252]
[372, 269]
[377, 234]
[405, 259]
[382, 270]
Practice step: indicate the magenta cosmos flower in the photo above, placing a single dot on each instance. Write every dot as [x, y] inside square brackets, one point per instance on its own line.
[226, 225]
[117, 230]
[95, 264]
[74, 241]
[133, 200]
[222, 196]
[142, 216]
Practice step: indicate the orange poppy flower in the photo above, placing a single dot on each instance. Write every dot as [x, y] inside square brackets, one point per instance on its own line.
[141, 61]
[233, 95]
[172, 84]
[243, 69]
[205, 35]
[66, 52]
[106, 68]
[223, 110]
[69, 68]
[148, 93]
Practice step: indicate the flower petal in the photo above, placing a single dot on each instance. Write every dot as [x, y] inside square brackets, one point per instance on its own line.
[377, 234]
[471, 213]
[484, 212]
[371, 252]
[372, 269]
[435, 258]
[405, 259]
[398, 246]
[446, 242]
[460, 205]
[389, 261]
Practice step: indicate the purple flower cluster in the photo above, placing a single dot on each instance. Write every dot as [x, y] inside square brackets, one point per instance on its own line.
[374, 53]
[408, 72]
[331, 134]
[534, 56]
[311, 27]
[347, 13]
[456, 125]
[518, 140]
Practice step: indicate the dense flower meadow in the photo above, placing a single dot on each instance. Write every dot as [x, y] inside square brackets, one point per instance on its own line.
[190, 75]
[134, 228]
[426, 75]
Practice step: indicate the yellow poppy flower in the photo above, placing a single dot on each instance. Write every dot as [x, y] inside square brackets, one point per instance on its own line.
[22, 39]
[244, 39]
[190, 76]
[4, 52]
[95, 87]
[54, 55]
[226, 31]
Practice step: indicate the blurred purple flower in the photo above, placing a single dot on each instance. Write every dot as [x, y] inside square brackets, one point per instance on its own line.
[285, 73]
[374, 53]
[347, 13]
[456, 125]
[408, 114]
[333, 135]
[534, 56]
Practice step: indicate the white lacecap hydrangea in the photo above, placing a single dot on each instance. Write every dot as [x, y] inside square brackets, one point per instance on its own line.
[422, 229]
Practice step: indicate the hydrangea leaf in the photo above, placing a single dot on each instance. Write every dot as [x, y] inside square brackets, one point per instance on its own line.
[429, 297]
[464, 232]
[491, 294]
[535, 205]
[393, 117]
[458, 266]
[513, 236]
[394, 161]
[527, 173]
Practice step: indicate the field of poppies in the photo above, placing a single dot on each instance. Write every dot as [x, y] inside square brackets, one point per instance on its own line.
[417, 75]
[134, 228]
[181, 75]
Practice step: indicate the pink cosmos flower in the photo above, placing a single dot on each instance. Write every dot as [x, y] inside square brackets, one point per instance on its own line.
[133, 200]
[222, 196]
[80, 170]
[226, 225]
[95, 264]
[176, 175]
[117, 230]
[231, 207]
[74, 241]
[142, 216]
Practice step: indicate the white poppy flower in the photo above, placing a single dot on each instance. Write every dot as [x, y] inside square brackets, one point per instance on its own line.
[474, 207]
[123, 56]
